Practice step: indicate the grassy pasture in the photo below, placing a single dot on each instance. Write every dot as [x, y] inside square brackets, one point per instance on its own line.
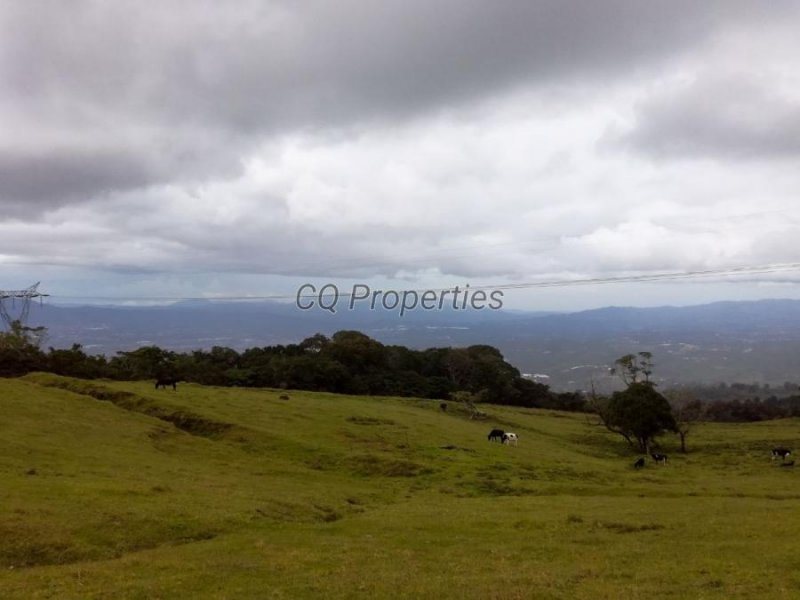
[116, 490]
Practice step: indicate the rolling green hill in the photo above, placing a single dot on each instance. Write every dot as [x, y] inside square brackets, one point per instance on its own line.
[116, 490]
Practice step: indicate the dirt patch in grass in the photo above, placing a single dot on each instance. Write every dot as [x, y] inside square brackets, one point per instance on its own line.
[369, 465]
[459, 448]
[618, 527]
[572, 518]
[499, 487]
[494, 484]
[567, 473]
[369, 421]
[280, 511]
[196, 425]
[326, 514]
[323, 462]
[25, 546]
[782, 496]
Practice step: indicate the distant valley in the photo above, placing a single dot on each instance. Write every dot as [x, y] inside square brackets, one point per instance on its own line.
[726, 341]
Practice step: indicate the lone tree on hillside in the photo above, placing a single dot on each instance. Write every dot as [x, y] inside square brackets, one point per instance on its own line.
[638, 413]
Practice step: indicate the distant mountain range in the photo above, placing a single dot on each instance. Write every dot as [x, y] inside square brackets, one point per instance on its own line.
[725, 341]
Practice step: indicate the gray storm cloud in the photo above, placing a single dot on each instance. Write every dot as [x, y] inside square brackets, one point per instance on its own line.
[476, 139]
[725, 119]
[239, 70]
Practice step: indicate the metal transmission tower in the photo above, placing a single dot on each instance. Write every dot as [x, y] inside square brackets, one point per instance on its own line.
[24, 297]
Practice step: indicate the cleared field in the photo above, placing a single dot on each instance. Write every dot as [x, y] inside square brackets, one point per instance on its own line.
[116, 490]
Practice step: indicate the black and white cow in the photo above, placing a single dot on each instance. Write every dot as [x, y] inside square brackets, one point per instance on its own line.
[510, 438]
[496, 434]
[639, 463]
[782, 453]
[659, 458]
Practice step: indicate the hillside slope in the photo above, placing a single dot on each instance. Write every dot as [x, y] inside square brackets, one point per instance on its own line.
[115, 490]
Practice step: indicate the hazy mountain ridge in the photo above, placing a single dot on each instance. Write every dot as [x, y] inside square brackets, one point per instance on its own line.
[724, 341]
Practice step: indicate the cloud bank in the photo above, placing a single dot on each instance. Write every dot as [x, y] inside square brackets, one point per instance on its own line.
[481, 141]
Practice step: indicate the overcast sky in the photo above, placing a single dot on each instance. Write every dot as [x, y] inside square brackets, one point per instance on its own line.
[242, 148]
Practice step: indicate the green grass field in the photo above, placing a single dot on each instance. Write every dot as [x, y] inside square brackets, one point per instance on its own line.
[116, 490]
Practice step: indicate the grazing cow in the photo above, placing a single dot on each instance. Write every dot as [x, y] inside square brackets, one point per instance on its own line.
[639, 463]
[659, 458]
[496, 434]
[510, 438]
[782, 453]
[443, 406]
[165, 381]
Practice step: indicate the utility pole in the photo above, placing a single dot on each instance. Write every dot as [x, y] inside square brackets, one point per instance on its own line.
[23, 297]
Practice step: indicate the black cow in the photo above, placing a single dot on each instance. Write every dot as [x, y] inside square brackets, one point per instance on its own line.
[165, 381]
[639, 463]
[782, 453]
[496, 434]
[659, 458]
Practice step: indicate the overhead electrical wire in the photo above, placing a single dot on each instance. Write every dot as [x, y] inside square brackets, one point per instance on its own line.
[640, 278]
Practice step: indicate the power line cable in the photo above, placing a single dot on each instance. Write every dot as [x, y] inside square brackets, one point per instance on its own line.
[641, 278]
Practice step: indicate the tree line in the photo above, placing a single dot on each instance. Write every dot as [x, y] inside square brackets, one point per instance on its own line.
[348, 362]
[351, 362]
[738, 402]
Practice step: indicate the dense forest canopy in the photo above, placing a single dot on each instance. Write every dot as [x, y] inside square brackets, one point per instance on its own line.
[349, 362]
